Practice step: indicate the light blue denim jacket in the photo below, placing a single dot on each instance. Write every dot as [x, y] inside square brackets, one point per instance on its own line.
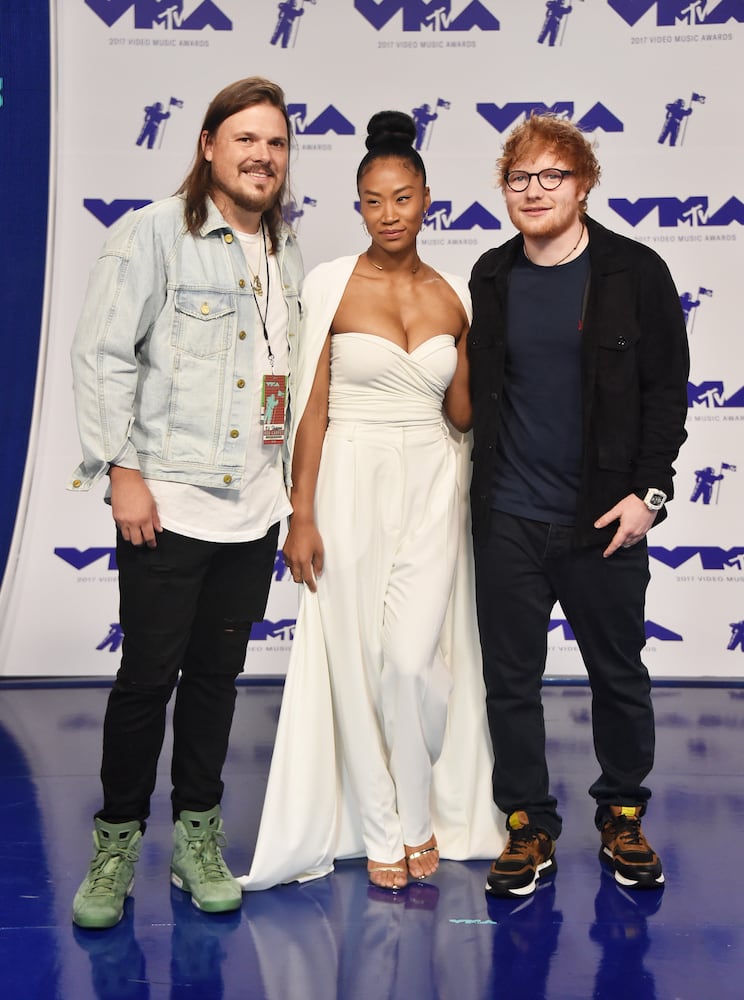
[163, 351]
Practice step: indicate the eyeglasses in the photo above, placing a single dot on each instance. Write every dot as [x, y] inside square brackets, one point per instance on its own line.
[548, 179]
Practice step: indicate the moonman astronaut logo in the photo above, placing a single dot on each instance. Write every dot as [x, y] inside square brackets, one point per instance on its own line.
[113, 640]
[294, 211]
[708, 482]
[675, 120]
[428, 15]
[554, 25]
[168, 15]
[424, 118]
[288, 22]
[155, 117]
[691, 303]
[680, 12]
[737, 636]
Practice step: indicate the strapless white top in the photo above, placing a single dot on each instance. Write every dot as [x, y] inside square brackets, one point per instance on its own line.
[374, 380]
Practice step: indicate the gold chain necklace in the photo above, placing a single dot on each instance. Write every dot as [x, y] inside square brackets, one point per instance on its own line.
[381, 268]
[256, 278]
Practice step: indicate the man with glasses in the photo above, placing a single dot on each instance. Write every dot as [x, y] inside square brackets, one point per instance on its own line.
[579, 364]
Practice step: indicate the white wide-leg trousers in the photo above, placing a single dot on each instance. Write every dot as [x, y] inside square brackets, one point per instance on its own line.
[386, 507]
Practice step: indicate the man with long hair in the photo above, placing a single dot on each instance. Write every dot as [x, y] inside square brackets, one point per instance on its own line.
[578, 365]
[181, 351]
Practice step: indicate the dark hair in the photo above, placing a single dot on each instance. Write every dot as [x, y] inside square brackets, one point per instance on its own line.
[549, 133]
[391, 133]
[198, 183]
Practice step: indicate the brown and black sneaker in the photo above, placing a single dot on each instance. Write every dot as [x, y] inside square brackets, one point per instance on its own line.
[528, 856]
[626, 851]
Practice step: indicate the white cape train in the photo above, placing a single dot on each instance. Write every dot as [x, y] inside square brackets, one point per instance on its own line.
[309, 816]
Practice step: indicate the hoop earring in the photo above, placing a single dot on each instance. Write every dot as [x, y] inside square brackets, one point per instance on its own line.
[364, 228]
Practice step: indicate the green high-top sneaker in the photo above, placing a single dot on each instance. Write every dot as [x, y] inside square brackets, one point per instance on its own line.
[197, 865]
[99, 902]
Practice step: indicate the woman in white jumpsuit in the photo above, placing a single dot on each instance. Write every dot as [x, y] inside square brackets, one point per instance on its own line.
[376, 535]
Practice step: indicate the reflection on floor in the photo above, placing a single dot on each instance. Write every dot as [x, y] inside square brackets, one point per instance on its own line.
[580, 936]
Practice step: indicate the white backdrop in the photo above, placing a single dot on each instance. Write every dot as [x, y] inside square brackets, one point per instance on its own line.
[631, 72]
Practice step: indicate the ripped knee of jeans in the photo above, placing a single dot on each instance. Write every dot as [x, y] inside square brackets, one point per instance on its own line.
[239, 626]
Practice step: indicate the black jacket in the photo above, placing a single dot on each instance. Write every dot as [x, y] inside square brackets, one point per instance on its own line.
[635, 365]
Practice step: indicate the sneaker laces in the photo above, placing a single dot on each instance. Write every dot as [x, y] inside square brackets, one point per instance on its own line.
[208, 855]
[104, 869]
[629, 832]
[518, 840]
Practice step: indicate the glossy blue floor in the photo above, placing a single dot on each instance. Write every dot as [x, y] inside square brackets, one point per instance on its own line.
[580, 936]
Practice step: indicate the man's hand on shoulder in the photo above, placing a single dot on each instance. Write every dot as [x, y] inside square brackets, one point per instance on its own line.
[133, 507]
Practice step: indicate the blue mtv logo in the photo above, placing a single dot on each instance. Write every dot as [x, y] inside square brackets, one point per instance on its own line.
[428, 15]
[677, 12]
[673, 212]
[329, 120]
[168, 14]
[598, 117]
[440, 216]
[653, 631]
[283, 629]
[82, 558]
[109, 212]
[711, 557]
[712, 395]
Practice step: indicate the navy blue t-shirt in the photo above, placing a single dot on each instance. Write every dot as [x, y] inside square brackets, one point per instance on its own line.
[540, 435]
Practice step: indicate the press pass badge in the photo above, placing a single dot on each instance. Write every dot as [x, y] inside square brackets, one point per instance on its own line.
[273, 408]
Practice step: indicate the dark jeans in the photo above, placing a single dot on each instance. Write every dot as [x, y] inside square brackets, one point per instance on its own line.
[522, 570]
[186, 607]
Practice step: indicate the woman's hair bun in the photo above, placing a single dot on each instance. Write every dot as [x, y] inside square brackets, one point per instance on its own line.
[390, 127]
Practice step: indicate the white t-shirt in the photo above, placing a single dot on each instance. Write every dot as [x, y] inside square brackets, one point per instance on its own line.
[243, 515]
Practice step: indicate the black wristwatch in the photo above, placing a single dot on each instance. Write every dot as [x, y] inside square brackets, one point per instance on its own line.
[653, 498]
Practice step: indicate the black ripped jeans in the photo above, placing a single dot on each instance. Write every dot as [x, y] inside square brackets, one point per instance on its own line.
[186, 608]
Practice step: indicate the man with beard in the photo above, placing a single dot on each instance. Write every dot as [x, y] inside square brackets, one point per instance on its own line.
[579, 362]
[182, 345]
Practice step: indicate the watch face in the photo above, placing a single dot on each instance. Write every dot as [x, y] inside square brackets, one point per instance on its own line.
[656, 500]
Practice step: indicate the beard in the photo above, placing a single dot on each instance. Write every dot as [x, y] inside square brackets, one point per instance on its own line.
[551, 226]
[248, 203]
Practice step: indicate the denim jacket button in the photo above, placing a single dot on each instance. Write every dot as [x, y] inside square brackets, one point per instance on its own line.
[205, 309]
[228, 237]
[241, 283]
[241, 335]
[240, 383]
[227, 480]
[234, 433]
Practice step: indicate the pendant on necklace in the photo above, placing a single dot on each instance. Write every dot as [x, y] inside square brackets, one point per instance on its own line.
[256, 284]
